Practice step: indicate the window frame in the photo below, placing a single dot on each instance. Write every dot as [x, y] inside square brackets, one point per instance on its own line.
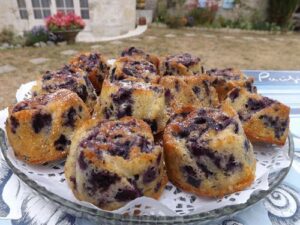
[22, 9]
[41, 9]
[66, 9]
[84, 8]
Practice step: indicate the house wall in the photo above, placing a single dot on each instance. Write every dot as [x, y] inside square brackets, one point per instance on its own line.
[107, 17]
[9, 17]
[112, 17]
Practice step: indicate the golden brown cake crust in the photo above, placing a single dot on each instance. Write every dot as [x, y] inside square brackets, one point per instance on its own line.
[127, 68]
[139, 55]
[123, 154]
[246, 182]
[181, 91]
[180, 65]
[95, 65]
[264, 119]
[129, 98]
[68, 77]
[40, 129]
[207, 153]
[224, 80]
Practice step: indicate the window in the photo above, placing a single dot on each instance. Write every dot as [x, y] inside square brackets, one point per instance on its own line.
[41, 8]
[65, 6]
[228, 4]
[202, 3]
[22, 9]
[84, 9]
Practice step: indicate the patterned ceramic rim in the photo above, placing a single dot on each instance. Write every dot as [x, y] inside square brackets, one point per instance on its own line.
[104, 216]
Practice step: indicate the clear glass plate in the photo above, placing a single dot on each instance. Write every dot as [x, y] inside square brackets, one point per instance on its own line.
[103, 217]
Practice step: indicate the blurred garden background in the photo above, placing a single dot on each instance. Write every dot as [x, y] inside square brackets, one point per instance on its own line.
[40, 35]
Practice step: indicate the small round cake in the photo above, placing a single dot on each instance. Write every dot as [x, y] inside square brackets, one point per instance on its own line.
[126, 98]
[138, 55]
[129, 69]
[113, 162]
[181, 65]
[40, 129]
[69, 78]
[263, 119]
[95, 65]
[224, 80]
[208, 154]
[181, 91]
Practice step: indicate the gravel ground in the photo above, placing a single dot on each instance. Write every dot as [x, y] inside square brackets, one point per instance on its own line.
[215, 48]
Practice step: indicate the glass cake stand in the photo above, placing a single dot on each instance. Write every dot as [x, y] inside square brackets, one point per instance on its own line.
[104, 217]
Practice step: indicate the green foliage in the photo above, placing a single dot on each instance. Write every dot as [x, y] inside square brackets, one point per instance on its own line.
[266, 26]
[175, 3]
[7, 35]
[202, 16]
[246, 24]
[280, 12]
[171, 12]
[36, 34]
[167, 10]
[161, 12]
[19, 40]
[175, 21]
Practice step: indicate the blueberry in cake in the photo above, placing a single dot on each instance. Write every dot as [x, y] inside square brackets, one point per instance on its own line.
[95, 65]
[224, 80]
[70, 78]
[136, 70]
[130, 98]
[181, 65]
[181, 91]
[139, 55]
[263, 119]
[207, 153]
[113, 162]
[40, 129]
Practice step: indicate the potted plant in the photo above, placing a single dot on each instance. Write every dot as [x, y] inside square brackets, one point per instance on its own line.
[35, 35]
[65, 26]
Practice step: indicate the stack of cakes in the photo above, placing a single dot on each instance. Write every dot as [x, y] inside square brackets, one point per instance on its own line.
[127, 128]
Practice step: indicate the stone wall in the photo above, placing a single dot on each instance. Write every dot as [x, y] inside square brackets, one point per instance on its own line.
[10, 17]
[107, 17]
[112, 17]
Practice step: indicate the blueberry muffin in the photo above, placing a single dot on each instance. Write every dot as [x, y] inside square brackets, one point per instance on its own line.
[40, 129]
[208, 154]
[113, 162]
[138, 55]
[95, 65]
[181, 65]
[188, 90]
[140, 100]
[69, 78]
[224, 80]
[263, 119]
[129, 69]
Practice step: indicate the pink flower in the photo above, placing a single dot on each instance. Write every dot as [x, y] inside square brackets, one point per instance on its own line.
[63, 21]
